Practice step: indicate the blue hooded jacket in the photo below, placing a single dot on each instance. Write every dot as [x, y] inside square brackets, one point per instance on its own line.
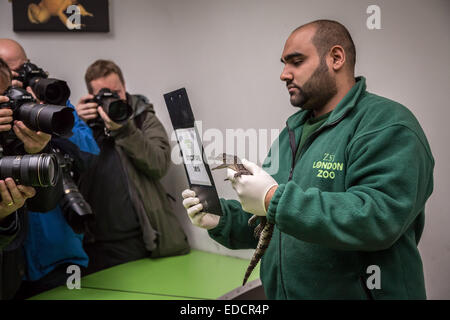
[50, 240]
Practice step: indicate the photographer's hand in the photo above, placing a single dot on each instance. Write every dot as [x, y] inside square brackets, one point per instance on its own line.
[13, 196]
[16, 83]
[109, 124]
[30, 91]
[87, 110]
[34, 141]
[5, 116]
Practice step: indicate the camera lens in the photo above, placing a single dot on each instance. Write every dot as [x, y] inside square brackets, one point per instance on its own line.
[47, 118]
[76, 210]
[53, 94]
[52, 91]
[49, 166]
[37, 170]
[118, 110]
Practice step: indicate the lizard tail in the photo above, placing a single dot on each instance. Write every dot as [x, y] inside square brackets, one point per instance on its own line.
[263, 243]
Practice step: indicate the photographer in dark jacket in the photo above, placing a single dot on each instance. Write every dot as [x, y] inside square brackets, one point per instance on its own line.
[12, 205]
[133, 216]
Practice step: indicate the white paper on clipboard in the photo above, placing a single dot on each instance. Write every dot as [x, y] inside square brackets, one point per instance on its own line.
[192, 156]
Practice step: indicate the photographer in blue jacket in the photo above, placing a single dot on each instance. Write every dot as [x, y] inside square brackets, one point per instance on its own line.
[50, 245]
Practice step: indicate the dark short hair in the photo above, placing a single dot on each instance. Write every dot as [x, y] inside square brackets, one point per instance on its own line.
[330, 33]
[5, 73]
[99, 69]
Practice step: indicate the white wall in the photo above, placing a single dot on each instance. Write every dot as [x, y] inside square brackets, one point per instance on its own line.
[226, 53]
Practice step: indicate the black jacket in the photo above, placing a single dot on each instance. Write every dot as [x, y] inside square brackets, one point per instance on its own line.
[12, 261]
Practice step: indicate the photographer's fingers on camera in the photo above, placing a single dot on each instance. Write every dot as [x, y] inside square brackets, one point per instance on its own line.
[16, 83]
[18, 198]
[27, 191]
[4, 192]
[5, 117]
[34, 141]
[109, 124]
[13, 196]
[30, 91]
[87, 110]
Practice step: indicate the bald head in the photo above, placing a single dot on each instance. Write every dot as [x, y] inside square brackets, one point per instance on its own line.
[328, 33]
[5, 76]
[12, 53]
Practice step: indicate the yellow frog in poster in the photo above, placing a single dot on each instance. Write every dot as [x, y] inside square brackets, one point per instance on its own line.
[42, 12]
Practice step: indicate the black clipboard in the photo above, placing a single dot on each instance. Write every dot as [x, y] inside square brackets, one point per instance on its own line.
[191, 147]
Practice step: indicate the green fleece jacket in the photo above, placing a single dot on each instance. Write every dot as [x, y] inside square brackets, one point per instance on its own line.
[349, 209]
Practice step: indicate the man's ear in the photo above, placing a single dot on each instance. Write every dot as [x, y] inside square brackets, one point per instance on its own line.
[337, 54]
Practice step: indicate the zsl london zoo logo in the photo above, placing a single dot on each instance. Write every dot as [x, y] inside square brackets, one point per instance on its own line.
[327, 167]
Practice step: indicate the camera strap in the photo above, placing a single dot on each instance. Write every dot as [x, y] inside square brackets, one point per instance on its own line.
[107, 131]
[142, 107]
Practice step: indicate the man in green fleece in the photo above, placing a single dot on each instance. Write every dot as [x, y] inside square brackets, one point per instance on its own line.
[347, 201]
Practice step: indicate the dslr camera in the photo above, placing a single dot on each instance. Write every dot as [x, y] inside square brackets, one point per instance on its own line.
[118, 110]
[39, 170]
[48, 118]
[76, 210]
[49, 90]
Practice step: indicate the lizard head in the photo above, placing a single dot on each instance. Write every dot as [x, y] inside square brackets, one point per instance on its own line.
[227, 161]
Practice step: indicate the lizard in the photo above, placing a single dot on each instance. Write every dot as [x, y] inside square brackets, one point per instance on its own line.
[264, 230]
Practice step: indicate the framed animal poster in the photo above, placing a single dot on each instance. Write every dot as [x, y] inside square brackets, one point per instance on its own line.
[61, 15]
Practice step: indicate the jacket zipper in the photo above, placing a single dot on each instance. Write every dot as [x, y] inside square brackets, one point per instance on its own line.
[294, 147]
[308, 142]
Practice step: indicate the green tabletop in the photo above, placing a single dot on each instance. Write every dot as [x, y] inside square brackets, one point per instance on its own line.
[62, 293]
[197, 275]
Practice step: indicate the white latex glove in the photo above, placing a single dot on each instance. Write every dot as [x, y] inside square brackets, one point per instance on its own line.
[194, 210]
[252, 189]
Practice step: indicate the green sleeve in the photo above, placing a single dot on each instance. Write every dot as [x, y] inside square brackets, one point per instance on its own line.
[233, 230]
[389, 176]
[149, 148]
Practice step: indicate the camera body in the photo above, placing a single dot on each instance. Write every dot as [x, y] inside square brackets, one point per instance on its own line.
[29, 71]
[118, 110]
[17, 97]
[37, 170]
[77, 212]
[51, 119]
[49, 90]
